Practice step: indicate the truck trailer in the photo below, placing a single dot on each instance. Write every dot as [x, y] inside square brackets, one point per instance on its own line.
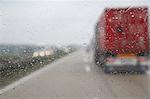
[122, 40]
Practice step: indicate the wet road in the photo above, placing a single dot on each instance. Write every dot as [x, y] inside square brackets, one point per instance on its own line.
[76, 77]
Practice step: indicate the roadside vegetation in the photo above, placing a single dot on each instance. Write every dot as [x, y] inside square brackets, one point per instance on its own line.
[14, 66]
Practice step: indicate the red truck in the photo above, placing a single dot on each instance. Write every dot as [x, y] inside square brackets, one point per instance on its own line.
[122, 40]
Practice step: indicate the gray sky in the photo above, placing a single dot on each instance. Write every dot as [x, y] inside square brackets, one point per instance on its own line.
[52, 21]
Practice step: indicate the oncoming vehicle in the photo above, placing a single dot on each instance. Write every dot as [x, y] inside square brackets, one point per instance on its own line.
[122, 40]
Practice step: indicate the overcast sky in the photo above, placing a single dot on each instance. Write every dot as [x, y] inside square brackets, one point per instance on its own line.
[52, 21]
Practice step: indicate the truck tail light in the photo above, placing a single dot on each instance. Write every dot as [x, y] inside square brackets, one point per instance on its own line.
[110, 59]
[141, 59]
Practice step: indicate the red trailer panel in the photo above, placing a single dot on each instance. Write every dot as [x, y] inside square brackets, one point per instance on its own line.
[125, 30]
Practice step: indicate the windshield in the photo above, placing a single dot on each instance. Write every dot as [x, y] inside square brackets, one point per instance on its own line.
[74, 49]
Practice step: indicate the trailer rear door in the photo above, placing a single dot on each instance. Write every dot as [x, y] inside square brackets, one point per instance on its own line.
[127, 30]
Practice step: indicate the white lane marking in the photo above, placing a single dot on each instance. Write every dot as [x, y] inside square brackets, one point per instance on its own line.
[87, 68]
[148, 72]
[87, 58]
[28, 77]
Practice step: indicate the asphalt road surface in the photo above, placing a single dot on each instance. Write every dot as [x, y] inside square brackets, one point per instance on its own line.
[76, 77]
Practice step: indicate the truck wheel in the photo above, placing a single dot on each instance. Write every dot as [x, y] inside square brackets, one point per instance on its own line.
[99, 59]
[109, 70]
[96, 60]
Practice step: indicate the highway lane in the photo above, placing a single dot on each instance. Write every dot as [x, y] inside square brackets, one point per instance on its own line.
[76, 77]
